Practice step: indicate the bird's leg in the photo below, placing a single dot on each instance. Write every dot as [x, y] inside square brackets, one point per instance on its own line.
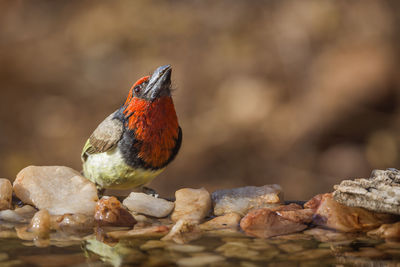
[149, 191]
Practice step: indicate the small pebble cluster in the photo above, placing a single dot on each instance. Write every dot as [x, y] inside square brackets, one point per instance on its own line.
[58, 203]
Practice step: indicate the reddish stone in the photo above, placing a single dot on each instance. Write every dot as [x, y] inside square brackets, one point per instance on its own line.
[109, 212]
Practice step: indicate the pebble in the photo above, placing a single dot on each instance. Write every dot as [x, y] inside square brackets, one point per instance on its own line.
[148, 232]
[148, 205]
[243, 199]
[266, 222]
[109, 212]
[58, 189]
[186, 248]
[5, 194]
[191, 205]
[230, 220]
[19, 215]
[337, 216]
[40, 224]
[201, 260]
[183, 232]
[72, 223]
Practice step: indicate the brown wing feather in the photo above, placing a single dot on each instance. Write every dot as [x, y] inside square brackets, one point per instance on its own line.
[106, 135]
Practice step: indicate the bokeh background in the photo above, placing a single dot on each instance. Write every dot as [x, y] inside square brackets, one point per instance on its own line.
[299, 93]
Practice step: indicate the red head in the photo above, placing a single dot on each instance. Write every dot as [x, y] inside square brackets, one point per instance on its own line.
[151, 115]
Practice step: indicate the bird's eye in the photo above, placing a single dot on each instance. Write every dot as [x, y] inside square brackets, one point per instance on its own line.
[137, 89]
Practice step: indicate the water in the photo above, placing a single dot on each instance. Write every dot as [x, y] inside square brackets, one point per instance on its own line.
[315, 247]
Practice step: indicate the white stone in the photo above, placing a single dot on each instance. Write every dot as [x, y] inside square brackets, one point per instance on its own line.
[5, 194]
[58, 189]
[148, 205]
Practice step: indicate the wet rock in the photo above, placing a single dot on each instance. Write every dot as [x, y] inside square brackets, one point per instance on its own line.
[387, 231]
[347, 219]
[191, 205]
[200, 260]
[366, 252]
[148, 205]
[58, 189]
[5, 194]
[40, 224]
[153, 244]
[327, 235]
[72, 223]
[379, 193]
[243, 199]
[230, 220]
[310, 254]
[185, 248]
[19, 215]
[109, 212]
[148, 232]
[266, 222]
[183, 232]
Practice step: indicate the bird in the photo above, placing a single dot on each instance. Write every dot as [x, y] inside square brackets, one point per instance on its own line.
[135, 143]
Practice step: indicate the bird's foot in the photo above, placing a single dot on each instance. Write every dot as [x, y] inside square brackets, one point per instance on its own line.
[149, 191]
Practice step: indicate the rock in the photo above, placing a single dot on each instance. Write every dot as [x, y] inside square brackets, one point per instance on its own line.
[243, 199]
[5, 194]
[19, 215]
[148, 205]
[266, 222]
[191, 205]
[230, 220]
[200, 260]
[185, 248]
[40, 224]
[148, 232]
[379, 193]
[327, 235]
[153, 244]
[334, 215]
[387, 231]
[183, 232]
[109, 212]
[58, 189]
[72, 223]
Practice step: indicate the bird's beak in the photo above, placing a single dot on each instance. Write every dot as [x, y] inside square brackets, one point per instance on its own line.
[159, 83]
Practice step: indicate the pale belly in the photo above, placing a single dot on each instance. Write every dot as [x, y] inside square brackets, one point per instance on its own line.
[108, 170]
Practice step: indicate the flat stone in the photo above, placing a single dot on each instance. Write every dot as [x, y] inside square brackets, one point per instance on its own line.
[153, 244]
[183, 232]
[230, 220]
[58, 189]
[191, 205]
[243, 199]
[148, 205]
[201, 260]
[5, 194]
[19, 215]
[266, 222]
[148, 232]
[185, 248]
[109, 212]
[337, 216]
[379, 193]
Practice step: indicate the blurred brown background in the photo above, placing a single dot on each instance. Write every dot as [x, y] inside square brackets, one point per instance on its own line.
[300, 93]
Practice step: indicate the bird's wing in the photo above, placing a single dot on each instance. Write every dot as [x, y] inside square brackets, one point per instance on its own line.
[105, 137]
